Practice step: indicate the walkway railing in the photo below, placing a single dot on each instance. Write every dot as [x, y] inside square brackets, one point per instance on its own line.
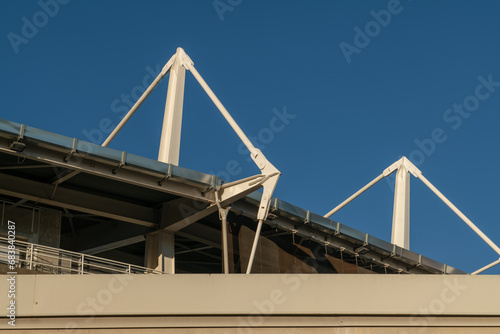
[58, 261]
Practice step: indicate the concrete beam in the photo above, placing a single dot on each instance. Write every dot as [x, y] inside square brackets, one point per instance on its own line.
[183, 212]
[104, 232]
[114, 245]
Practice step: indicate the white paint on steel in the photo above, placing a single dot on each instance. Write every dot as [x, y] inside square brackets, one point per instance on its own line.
[171, 131]
[225, 252]
[355, 195]
[223, 111]
[460, 214]
[494, 263]
[138, 103]
[267, 169]
[172, 121]
[254, 247]
[401, 212]
[388, 171]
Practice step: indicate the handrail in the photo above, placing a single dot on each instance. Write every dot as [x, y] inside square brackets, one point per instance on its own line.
[45, 258]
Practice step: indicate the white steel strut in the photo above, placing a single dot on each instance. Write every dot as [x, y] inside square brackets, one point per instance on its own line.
[401, 211]
[170, 144]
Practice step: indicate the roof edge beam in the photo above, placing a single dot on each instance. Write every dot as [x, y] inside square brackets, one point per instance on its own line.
[78, 201]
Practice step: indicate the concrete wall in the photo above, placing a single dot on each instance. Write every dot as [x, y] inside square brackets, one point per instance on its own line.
[262, 303]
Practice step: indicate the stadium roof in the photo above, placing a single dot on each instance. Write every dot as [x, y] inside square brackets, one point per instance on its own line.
[58, 171]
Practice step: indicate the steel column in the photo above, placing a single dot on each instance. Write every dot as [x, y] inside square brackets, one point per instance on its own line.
[172, 120]
[254, 247]
[401, 214]
[225, 252]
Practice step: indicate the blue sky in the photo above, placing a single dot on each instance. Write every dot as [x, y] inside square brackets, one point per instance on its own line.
[356, 86]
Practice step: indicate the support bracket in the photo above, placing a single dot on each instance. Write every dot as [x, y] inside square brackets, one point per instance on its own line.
[168, 175]
[18, 145]
[122, 162]
[73, 150]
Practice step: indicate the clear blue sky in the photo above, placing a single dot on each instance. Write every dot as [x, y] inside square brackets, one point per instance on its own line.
[356, 101]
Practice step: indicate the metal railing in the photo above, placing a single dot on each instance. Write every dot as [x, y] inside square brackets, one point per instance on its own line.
[52, 260]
